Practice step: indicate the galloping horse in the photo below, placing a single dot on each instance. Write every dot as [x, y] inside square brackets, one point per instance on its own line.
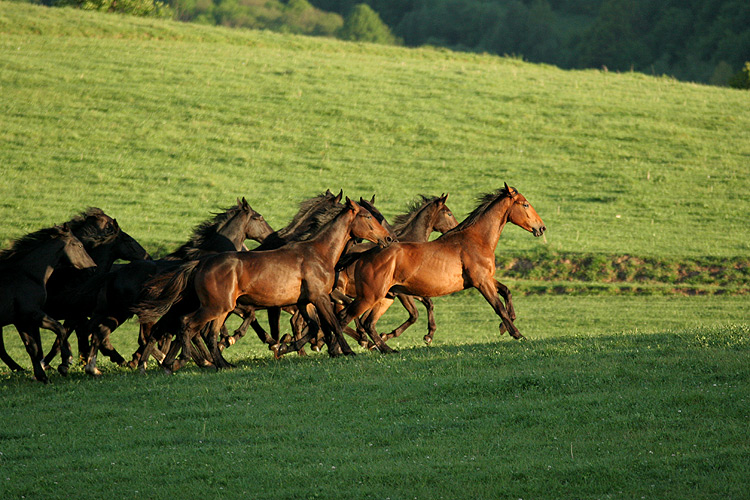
[24, 270]
[464, 257]
[118, 290]
[428, 214]
[97, 232]
[65, 302]
[300, 274]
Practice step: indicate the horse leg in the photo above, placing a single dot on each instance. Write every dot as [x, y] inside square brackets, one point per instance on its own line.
[248, 319]
[488, 289]
[6, 357]
[325, 309]
[32, 340]
[371, 319]
[312, 332]
[53, 325]
[431, 326]
[505, 294]
[408, 302]
[213, 329]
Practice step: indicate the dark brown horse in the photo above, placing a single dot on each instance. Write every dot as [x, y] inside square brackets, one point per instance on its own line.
[24, 270]
[118, 290]
[97, 232]
[426, 215]
[65, 300]
[461, 258]
[300, 274]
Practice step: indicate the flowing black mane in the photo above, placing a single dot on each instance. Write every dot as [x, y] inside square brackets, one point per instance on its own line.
[88, 232]
[203, 232]
[414, 208]
[485, 202]
[22, 246]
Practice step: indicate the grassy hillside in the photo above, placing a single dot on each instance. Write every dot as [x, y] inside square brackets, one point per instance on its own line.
[159, 123]
[614, 394]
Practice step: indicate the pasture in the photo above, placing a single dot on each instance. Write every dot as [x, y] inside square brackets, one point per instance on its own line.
[637, 393]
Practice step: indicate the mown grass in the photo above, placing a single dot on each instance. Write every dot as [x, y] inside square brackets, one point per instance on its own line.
[609, 398]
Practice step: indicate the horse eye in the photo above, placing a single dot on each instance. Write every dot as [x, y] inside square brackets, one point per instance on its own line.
[525, 205]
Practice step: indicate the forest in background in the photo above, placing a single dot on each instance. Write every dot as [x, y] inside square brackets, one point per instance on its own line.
[698, 40]
[705, 41]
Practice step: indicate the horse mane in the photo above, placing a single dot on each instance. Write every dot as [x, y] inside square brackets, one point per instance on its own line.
[89, 233]
[203, 232]
[312, 209]
[322, 216]
[485, 201]
[25, 244]
[304, 223]
[414, 208]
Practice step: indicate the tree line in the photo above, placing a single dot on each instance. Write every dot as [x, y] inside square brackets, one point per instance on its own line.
[697, 40]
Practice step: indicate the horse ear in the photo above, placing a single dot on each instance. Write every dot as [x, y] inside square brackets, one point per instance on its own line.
[351, 205]
[373, 199]
[65, 228]
[338, 196]
[245, 204]
[328, 192]
[511, 192]
[444, 197]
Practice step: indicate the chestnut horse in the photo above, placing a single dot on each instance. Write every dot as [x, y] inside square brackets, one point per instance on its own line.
[428, 214]
[300, 274]
[462, 258]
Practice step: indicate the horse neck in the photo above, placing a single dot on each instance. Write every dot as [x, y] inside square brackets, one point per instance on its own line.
[104, 256]
[233, 232]
[333, 237]
[40, 262]
[420, 227]
[489, 225]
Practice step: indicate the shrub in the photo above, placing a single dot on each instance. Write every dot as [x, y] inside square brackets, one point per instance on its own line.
[741, 80]
[364, 25]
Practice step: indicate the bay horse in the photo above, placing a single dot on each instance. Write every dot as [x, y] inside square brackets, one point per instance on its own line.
[24, 270]
[306, 221]
[462, 258]
[119, 289]
[303, 225]
[300, 273]
[423, 217]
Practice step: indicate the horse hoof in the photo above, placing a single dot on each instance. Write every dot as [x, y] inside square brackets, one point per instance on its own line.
[286, 339]
[276, 348]
[94, 372]
[45, 366]
[427, 339]
[63, 370]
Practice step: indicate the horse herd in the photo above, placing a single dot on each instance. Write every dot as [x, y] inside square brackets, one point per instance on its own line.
[334, 263]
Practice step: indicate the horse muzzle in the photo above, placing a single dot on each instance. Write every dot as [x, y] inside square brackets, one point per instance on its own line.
[538, 231]
[384, 242]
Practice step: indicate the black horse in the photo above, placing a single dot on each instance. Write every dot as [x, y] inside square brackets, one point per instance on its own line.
[66, 297]
[24, 270]
[95, 230]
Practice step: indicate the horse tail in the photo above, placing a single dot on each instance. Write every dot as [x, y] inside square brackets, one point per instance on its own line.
[164, 290]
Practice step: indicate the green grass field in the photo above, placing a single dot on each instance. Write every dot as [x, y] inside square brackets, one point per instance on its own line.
[617, 393]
